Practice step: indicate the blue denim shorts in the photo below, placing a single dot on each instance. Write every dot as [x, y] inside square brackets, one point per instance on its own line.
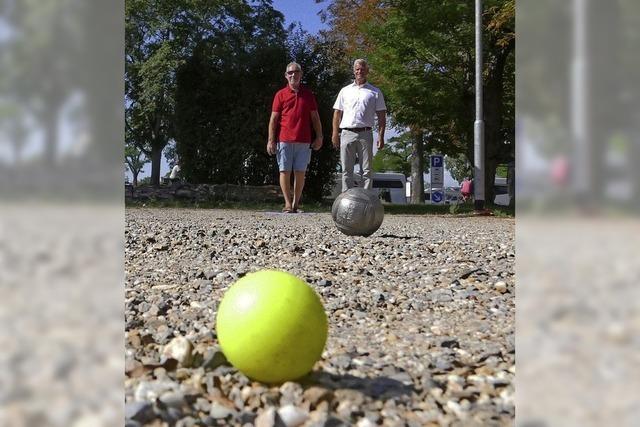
[293, 156]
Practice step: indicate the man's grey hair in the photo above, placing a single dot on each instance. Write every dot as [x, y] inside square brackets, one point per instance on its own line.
[294, 64]
[361, 62]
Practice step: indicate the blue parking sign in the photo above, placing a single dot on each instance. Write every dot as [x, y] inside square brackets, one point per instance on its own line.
[436, 161]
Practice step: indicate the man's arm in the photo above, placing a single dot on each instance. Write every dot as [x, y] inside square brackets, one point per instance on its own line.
[273, 124]
[335, 134]
[382, 124]
[317, 127]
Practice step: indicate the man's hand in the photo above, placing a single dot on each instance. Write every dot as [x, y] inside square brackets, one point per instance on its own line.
[382, 124]
[335, 139]
[271, 148]
[317, 143]
[335, 134]
[272, 136]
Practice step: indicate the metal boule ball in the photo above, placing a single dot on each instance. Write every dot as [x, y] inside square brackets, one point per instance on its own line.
[357, 212]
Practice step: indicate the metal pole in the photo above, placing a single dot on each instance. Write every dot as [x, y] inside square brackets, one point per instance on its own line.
[478, 126]
[580, 100]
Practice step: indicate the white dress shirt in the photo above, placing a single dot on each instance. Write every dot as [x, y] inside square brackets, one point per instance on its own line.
[174, 172]
[359, 105]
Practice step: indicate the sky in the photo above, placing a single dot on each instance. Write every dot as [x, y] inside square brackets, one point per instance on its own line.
[303, 11]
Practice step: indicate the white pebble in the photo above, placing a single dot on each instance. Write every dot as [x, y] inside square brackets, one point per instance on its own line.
[180, 349]
[500, 287]
[292, 416]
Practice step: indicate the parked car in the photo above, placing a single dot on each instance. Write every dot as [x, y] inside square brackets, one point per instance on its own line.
[389, 185]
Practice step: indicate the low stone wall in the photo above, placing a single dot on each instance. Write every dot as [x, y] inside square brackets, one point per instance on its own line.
[204, 193]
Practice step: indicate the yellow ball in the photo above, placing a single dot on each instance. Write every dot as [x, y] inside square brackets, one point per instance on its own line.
[271, 326]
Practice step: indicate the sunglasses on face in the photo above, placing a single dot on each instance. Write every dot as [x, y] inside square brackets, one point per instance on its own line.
[291, 73]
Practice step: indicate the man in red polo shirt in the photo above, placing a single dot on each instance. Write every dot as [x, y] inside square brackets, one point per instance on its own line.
[293, 112]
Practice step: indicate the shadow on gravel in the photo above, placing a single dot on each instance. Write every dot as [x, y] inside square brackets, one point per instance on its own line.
[377, 388]
[393, 236]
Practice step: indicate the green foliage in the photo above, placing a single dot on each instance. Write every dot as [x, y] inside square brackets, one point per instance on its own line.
[223, 100]
[135, 160]
[160, 36]
[418, 61]
[145, 181]
[41, 45]
[395, 156]
[422, 57]
[170, 153]
[324, 207]
[459, 167]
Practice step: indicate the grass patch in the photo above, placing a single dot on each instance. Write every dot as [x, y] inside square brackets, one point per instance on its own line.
[325, 206]
[465, 209]
[250, 206]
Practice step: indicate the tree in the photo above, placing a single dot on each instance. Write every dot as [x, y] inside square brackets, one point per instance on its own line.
[417, 164]
[160, 36]
[223, 99]
[422, 57]
[395, 156]
[12, 123]
[170, 153]
[459, 167]
[38, 69]
[135, 160]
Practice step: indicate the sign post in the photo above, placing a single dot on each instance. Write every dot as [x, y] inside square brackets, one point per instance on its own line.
[436, 170]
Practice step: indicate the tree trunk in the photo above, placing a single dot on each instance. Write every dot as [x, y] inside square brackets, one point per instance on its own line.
[511, 183]
[135, 177]
[493, 99]
[417, 167]
[489, 179]
[156, 157]
[18, 137]
[50, 120]
[492, 139]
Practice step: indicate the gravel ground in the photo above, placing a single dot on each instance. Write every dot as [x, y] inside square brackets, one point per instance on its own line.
[421, 319]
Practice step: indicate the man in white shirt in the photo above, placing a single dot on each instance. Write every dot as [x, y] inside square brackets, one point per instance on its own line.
[354, 113]
[175, 172]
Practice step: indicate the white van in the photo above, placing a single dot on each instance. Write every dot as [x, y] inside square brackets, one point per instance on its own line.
[390, 186]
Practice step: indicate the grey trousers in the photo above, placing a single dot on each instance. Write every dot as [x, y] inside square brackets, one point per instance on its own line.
[354, 144]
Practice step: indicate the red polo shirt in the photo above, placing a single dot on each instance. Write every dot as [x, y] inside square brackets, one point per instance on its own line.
[295, 114]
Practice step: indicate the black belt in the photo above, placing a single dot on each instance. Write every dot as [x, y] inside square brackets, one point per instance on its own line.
[357, 129]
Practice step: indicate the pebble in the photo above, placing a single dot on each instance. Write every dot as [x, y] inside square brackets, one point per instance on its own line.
[180, 349]
[148, 391]
[365, 422]
[292, 416]
[314, 395]
[138, 411]
[500, 287]
[268, 418]
[221, 409]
